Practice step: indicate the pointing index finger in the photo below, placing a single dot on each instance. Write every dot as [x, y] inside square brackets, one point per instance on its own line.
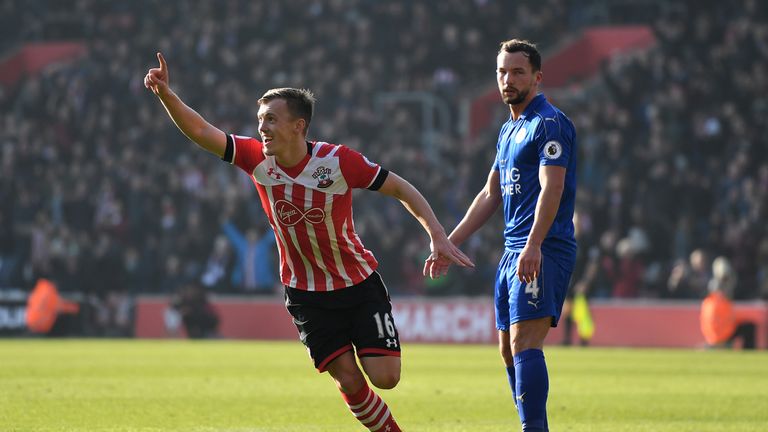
[161, 59]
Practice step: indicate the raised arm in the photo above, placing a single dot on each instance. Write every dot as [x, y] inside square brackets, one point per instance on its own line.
[482, 208]
[191, 124]
[412, 199]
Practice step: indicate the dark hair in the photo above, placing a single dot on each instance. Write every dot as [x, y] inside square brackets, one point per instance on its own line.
[301, 102]
[526, 47]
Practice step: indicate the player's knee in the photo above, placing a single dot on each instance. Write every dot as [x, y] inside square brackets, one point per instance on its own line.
[525, 341]
[521, 342]
[520, 346]
[530, 335]
[385, 380]
[349, 384]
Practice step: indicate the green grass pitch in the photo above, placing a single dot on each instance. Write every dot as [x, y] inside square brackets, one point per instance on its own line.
[200, 386]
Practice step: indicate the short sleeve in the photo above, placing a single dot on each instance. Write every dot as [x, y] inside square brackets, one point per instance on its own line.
[245, 152]
[502, 133]
[358, 171]
[555, 141]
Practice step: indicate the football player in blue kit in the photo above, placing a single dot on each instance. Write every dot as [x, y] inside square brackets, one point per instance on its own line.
[534, 177]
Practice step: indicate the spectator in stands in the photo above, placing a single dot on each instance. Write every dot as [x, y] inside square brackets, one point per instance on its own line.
[218, 267]
[254, 270]
[629, 281]
[689, 280]
[173, 277]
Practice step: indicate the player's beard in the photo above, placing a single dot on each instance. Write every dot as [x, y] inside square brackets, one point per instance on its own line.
[516, 100]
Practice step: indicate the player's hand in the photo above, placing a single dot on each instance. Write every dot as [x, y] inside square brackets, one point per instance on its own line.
[529, 263]
[444, 253]
[436, 266]
[157, 78]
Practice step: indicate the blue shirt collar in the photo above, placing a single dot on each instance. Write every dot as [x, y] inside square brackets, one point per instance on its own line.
[533, 105]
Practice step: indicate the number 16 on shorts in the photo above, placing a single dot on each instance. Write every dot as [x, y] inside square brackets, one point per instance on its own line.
[386, 328]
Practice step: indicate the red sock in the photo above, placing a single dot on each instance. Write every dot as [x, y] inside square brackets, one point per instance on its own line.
[371, 411]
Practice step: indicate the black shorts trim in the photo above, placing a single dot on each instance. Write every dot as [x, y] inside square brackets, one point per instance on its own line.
[323, 364]
[377, 352]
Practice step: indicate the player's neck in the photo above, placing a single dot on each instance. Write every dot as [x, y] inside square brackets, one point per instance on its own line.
[293, 154]
[518, 109]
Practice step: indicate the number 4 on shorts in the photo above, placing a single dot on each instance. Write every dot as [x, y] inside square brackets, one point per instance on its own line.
[533, 288]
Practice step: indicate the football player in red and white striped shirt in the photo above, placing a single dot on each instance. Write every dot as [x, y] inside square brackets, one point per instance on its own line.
[337, 299]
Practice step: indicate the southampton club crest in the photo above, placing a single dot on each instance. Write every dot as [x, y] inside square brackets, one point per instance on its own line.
[323, 177]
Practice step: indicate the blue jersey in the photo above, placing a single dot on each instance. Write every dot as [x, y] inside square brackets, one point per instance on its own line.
[542, 135]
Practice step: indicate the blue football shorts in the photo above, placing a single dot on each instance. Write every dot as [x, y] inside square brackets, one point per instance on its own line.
[519, 301]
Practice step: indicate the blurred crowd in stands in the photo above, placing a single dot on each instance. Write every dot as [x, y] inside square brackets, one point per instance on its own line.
[674, 167]
[100, 192]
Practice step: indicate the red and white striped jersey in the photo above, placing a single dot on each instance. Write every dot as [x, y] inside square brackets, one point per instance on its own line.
[310, 209]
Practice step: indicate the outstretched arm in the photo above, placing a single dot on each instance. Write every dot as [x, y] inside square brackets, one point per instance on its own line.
[191, 124]
[412, 199]
[484, 205]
